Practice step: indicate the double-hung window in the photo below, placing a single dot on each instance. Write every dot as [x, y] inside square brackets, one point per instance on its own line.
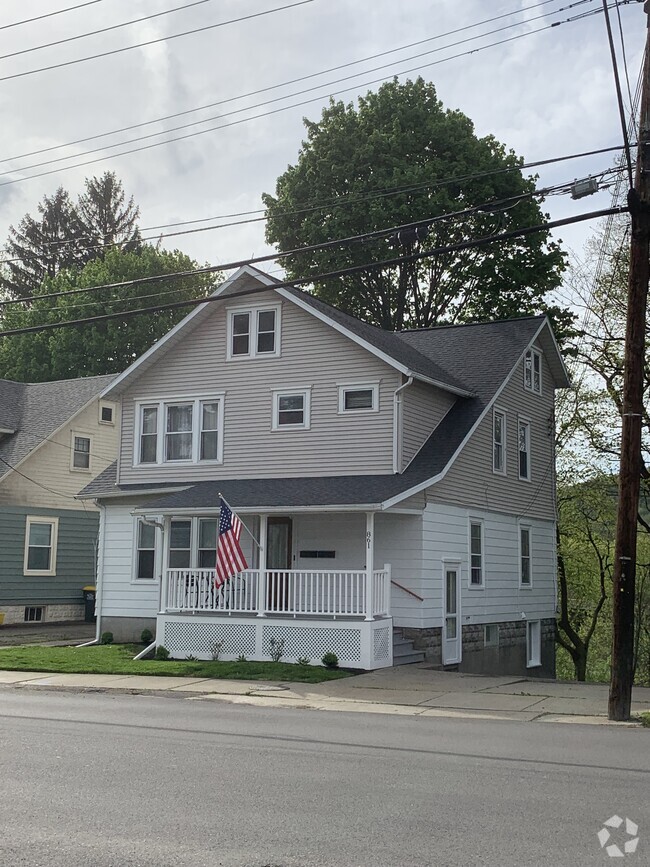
[188, 431]
[40, 546]
[145, 559]
[180, 544]
[476, 553]
[291, 409]
[533, 371]
[525, 557]
[524, 449]
[254, 332]
[499, 442]
[80, 452]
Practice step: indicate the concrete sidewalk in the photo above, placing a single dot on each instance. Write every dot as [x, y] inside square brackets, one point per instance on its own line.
[414, 690]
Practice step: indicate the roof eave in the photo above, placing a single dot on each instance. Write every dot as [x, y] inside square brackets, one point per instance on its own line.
[112, 495]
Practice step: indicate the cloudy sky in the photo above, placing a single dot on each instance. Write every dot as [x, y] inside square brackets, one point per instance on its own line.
[545, 94]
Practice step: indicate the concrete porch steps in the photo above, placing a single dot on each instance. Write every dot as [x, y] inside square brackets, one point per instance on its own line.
[404, 653]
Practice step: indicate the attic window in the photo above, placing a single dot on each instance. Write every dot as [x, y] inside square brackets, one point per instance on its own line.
[533, 371]
[106, 414]
[254, 332]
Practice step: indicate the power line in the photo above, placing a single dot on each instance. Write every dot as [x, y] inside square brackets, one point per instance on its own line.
[344, 272]
[298, 79]
[619, 95]
[103, 29]
[34, 482]
[273, 111]
[49, 14]
[625, 66]
[153, 41]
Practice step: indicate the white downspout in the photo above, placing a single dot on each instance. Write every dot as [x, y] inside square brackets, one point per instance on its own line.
[397, 425]
[99, 581]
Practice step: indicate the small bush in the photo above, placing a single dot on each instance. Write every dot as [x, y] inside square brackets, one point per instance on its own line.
[330, 660]
[241, 658]
[162, 653]
[276, 649]
[107, 638]
[304, 660]
[191, 658]
[146, 636]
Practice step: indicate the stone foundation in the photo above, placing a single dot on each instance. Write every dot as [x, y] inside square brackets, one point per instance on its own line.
[15, 614]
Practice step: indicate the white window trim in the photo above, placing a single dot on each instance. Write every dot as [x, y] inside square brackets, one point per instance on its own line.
[252, 345]
[195, 522]
[54, 538]
[533, 353]
[109, 405]
[291, 392]
[157, 556]
[523, 420]
[85, 436]
[359, 386]
[161, 405]
[534, 659]
[481, 523]
[504, 441]
[529, 528]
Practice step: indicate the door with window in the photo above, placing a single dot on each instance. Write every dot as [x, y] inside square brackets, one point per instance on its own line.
[451, 623]
[278, 562]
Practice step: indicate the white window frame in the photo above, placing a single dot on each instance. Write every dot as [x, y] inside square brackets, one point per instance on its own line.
[147, 582]
[292, 392]
[253, 310]
[534, 356]
[359, 386]
[524, 421]
[74, 435]
[533, 643]
[54, 538]
[161, 405]
[479, 523]
[525, 528]
[194, 549]
[105, 404]
[504, 441]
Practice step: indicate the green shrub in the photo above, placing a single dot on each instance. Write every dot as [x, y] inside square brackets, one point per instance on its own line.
[107, 638]
[330, 660]
[146, 636]
[303, 660]
[162, 653]
[241, 658]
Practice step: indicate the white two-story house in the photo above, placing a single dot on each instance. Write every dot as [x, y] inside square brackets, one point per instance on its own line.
[388, 483]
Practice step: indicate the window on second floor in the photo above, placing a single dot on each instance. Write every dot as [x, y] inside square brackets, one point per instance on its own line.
[524, 449]
[499, 442]
[359, 398]
[533, 371]
[180, 431]
[80, 459]
[291, 409]
[254, 332]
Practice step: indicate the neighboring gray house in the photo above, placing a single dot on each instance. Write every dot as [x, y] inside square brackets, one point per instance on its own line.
[391, 481]
[54, 437]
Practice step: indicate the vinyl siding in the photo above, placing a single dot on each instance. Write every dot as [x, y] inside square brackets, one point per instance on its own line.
[423, 408]
[398, 541]
[471, 481]
[313, 355]
[49, 465]
[75, 560]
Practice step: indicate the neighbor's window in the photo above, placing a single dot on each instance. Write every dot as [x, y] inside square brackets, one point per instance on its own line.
[524, 449]
[525, 569]
[359, 398]
[476, 553]
[106, 414]
[178, 432]
[533, 371]
[80, 452]
[533, 643]
[40, 546]
[253, 333]
[499, 442]
[146, 552]
[291, 409]
[180, 544]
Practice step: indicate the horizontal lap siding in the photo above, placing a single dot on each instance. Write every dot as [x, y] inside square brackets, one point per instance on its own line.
[423, 408]
[120, 597]
[75, 561]
[398, 541]
[313, 354]
[471, 480]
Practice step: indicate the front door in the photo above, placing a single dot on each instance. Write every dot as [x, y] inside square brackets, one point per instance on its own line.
[451, 625]
[278, 561]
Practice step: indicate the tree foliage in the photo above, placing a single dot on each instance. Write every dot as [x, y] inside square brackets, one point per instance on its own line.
[402, 137]
[101, 347]
[106, 217]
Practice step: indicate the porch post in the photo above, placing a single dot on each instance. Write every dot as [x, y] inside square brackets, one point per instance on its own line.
[164, 581]
[370, 578]
[261, 584]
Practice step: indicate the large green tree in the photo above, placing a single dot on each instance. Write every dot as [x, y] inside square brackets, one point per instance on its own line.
[401, 137]
[102, 347]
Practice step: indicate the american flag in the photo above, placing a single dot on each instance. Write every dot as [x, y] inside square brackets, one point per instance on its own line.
[230, 557]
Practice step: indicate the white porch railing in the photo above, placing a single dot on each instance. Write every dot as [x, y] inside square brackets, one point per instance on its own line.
[289, 591]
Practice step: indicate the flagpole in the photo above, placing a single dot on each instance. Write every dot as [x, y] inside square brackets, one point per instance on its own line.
[223, 499]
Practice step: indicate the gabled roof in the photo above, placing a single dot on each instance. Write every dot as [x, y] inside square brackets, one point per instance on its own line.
[34, 411]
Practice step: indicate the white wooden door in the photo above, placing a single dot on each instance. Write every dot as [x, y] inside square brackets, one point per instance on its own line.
[451, 623]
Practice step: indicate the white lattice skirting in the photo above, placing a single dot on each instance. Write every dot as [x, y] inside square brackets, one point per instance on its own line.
[359, 644]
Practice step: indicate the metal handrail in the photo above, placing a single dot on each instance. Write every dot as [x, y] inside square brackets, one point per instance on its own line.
[406, 590]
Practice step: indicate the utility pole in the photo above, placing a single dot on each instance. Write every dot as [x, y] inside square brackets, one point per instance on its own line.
[622, 673]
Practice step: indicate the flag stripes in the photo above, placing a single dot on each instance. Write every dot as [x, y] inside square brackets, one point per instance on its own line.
[230, 557]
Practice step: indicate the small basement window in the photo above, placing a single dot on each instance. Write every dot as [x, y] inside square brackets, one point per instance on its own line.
[491, 635]
[33, 614]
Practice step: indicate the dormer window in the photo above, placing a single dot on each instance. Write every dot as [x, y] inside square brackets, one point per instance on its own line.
[254, 332]
[533, 371]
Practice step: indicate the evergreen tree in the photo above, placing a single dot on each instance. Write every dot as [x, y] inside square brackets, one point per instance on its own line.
[106, 218]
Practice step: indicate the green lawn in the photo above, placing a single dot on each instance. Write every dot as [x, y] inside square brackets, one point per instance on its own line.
[118, 659]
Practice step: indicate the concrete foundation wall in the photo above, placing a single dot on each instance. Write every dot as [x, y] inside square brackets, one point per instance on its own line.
[128, 629]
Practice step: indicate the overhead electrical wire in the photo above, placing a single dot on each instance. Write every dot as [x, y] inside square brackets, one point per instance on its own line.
[49, 14]
[343, 272]
[619, 94]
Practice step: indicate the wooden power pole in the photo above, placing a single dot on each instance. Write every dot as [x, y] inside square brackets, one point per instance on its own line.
[622, 674]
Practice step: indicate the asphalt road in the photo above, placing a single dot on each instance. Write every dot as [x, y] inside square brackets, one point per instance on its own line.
[146, 781]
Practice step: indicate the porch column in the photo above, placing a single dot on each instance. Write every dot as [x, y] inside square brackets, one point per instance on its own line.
[370, 550]
[164, 582]
[261, 584]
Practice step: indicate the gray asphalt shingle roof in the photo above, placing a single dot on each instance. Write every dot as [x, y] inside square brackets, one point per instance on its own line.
[36, 410]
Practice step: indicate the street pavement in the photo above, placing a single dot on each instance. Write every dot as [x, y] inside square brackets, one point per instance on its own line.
[413, 690]
[115, 780]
